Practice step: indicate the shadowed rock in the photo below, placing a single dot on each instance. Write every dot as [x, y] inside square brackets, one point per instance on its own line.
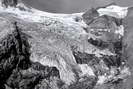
[8, 3]
[14, 53]
[83, 58]
[16, 68]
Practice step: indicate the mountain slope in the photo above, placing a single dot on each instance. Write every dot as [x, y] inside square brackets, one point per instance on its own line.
[41, 50]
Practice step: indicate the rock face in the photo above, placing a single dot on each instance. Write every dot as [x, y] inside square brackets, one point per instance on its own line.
[10, 3]
[40, 50]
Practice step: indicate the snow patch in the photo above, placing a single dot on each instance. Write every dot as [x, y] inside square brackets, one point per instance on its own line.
[113, 10]
[126, 71]
[86, 70]
[120, 30]
[101, 79]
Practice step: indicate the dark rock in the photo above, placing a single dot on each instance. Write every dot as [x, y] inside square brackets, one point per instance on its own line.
[90, 16]
[118, 46]
[98, 43]
[103, 28]
[83, 58]
[52, 83]
[112, 60]
[30, 78]
[16, 69]
[105, 22]
[84, 83]
[14, 52]
[10, 3]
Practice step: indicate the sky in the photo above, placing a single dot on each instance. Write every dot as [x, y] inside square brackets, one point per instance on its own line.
[72, 6]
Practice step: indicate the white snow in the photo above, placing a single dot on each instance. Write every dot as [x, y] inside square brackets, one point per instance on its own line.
[86, 70]
[126, 71]
[101, 79]
[120, 30]
[113, 10]
[34, 15]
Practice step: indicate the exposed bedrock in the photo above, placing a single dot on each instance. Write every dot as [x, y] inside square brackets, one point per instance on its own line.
[8, 3]
[14, 53]
[16, 68]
